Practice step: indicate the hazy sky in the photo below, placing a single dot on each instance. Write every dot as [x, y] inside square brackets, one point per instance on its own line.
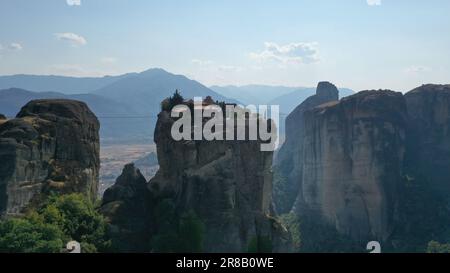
[361, 44]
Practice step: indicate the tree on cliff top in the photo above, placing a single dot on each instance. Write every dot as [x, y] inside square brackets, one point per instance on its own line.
[169, 103]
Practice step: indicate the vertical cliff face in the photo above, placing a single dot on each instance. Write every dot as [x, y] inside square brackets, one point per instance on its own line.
[289, 160]
[352, 163]
[428, 155]
[52, 145]
[228, 184]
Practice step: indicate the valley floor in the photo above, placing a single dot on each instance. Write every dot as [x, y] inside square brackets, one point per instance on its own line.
[113, 157]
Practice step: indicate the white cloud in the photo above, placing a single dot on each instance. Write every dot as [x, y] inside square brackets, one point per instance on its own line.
[373, 2]
[230, 68]
[201, 62]
[72, 38]
[73, 2]
[11, 47]
[15, 47]
[290, 53]
[417, 69]
[76, 70]
[108, 60]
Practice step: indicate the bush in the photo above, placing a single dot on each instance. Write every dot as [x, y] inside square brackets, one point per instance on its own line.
[30, 236]
[76, 216]
[59, 220]
[260, 244]
[169, 103]
[292, 223]
[177, 233]
[436, 247]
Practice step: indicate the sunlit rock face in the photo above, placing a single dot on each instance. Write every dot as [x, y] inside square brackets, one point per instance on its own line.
[289, 160]
[352, 163]
[52, 145]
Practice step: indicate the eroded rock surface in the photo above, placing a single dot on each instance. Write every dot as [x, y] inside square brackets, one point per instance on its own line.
[127, 206]
[52, 145]
[290, 157]
[352, 163]
[228, 184]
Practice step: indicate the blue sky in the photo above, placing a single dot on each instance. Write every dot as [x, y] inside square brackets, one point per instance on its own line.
[361, 44]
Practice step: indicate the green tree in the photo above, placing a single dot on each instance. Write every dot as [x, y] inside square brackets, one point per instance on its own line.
[176, 98]
[30, 235]
[292, 223]
[59, 220]
[260, 244]
[191, 232]
[176, 233]
[77, 218]
[436, 247]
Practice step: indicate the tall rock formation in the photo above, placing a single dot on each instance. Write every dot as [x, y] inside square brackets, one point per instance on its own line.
[352, 164]
[289, 159]
[52, 145]
[228, 184]
[428, 155]
[127, 206]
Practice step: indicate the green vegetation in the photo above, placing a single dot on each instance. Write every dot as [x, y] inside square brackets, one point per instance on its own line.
[436, 247]
[284, 193]
[292, 223]
[29, 235]
[171, 102]
[260, 244]
[425, 217]
[59, 220]
[177, 234]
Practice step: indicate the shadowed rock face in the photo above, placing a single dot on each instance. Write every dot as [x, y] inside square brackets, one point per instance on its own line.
[289, 158]
[227, 184]
[352, 163]
[127, 206]
[52, 145]
[428, 154]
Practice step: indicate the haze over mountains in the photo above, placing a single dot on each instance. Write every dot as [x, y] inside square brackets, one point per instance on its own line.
[127, 105]
[63, 84]
[287, 97]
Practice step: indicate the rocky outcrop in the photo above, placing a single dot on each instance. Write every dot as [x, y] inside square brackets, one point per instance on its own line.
[289, 159]
[352, 164]
[2, 119]
[52, 145]
[228, 184]
[127, 206]
[428, 155]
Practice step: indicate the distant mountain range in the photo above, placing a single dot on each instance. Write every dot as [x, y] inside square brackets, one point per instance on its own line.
[62, 84]
[287, 97]
[253, 94]
[127, 105]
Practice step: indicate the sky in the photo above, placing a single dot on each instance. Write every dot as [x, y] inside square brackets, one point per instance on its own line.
[359, 44]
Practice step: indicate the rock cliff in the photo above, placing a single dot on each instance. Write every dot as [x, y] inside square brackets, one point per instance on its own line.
[290, 157]
[428, 155]
[228, 184]
[127, 206]
[352, 163]
[51, 145]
